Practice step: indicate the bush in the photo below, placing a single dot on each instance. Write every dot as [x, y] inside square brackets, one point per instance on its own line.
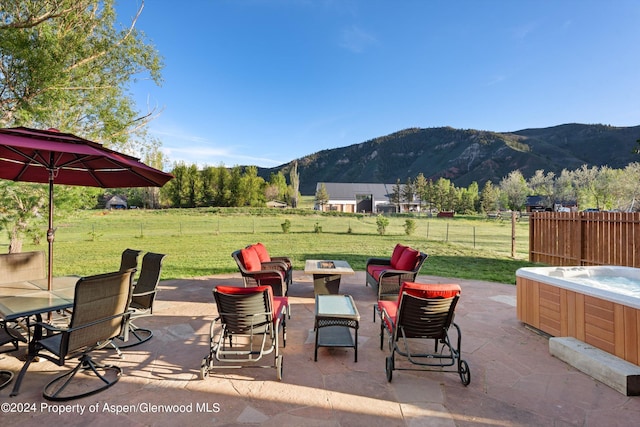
[409, 227]
[382, 222]
[317, 228]
[286, 226]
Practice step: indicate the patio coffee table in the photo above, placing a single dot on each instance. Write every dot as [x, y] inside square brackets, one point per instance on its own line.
[335, 316]
[326, 274]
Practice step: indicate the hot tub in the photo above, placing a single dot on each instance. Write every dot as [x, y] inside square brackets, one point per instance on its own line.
[599, 305]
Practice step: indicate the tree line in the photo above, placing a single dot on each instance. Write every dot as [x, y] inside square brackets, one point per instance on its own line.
[228, 187]
[602, 188]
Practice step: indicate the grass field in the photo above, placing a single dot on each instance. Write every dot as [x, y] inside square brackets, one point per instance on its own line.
[199, 242]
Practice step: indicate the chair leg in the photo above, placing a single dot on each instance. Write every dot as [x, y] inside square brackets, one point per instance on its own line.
[5, 378]
[55, 389]
[137, 336]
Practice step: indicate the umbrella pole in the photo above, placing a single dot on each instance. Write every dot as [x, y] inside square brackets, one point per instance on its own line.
[50, 234]
[50, 237]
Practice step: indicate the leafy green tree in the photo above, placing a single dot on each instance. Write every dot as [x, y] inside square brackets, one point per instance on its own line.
[543, 185]
[441, 194]
[420, 185]
[396, 195]
[322, 196]
[294, 178]
[468, 198]
[194, 188]
[176, 189]
[408, 191]
[277, 187]
[584, 180]
[516, 190]
[67, 64]
[489, 198]
[17, 207]
[253, 187]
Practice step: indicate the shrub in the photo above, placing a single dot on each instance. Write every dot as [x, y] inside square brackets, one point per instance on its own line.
[409, 227]
[382, 222]
[286, 226]
[317, 228]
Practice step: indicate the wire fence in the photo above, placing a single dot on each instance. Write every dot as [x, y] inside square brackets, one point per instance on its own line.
[478, 234]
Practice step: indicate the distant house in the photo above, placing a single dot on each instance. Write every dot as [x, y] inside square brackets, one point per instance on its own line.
[361, 198]
[540, 204]
[116, 202]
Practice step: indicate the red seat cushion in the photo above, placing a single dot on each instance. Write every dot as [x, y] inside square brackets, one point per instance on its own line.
[375, 270]
[250, 259]
[391, 310]
[280, 305]
[408, 260]
[397, 253]
[262, 252]
[429, 290]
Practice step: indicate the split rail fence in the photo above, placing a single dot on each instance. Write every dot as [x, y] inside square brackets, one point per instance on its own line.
[585, 238]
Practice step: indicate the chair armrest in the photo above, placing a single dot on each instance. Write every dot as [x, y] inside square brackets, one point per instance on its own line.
[142, 294]
[274, 265]
[284, 259]
[266, 274]
[379, 261]
[391, 272]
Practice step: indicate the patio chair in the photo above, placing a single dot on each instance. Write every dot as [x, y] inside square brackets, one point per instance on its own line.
[129, 259]
[99, 314]
[144, 294]
[8, 335]
[386, 275]
[256, 273]
[423, 314]
[263, 255]
[246, 329]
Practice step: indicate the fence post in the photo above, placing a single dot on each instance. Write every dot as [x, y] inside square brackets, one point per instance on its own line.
[513, 234]
[474, 237]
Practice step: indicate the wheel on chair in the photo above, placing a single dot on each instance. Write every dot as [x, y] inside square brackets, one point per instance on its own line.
[204, 368]
[389, 368]
[465, 373]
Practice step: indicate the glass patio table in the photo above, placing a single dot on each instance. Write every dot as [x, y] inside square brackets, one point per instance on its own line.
[335, 316]
[30, 298]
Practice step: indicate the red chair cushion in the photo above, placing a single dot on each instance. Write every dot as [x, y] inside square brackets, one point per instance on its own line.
[262, 252]
[250, 259]
[375, 270]
[408, 260]
[235, 290]
[280, 305]
[397, 253]
[391, 309]
[429, 290]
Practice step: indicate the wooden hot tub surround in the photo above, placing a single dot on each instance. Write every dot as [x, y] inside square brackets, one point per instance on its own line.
[611, 326]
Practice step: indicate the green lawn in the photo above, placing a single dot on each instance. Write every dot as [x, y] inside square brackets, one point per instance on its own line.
[199, 242]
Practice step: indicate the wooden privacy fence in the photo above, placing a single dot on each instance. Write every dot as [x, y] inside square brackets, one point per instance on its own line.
[585, 238]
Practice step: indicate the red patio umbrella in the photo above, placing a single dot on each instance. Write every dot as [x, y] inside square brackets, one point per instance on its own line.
[50, 156]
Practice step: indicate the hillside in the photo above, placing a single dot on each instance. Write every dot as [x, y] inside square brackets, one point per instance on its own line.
[468, 155]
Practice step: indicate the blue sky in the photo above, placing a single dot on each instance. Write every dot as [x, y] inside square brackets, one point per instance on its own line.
[263, 82]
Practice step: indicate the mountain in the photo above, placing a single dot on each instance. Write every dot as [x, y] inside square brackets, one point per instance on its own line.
[467, 155]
